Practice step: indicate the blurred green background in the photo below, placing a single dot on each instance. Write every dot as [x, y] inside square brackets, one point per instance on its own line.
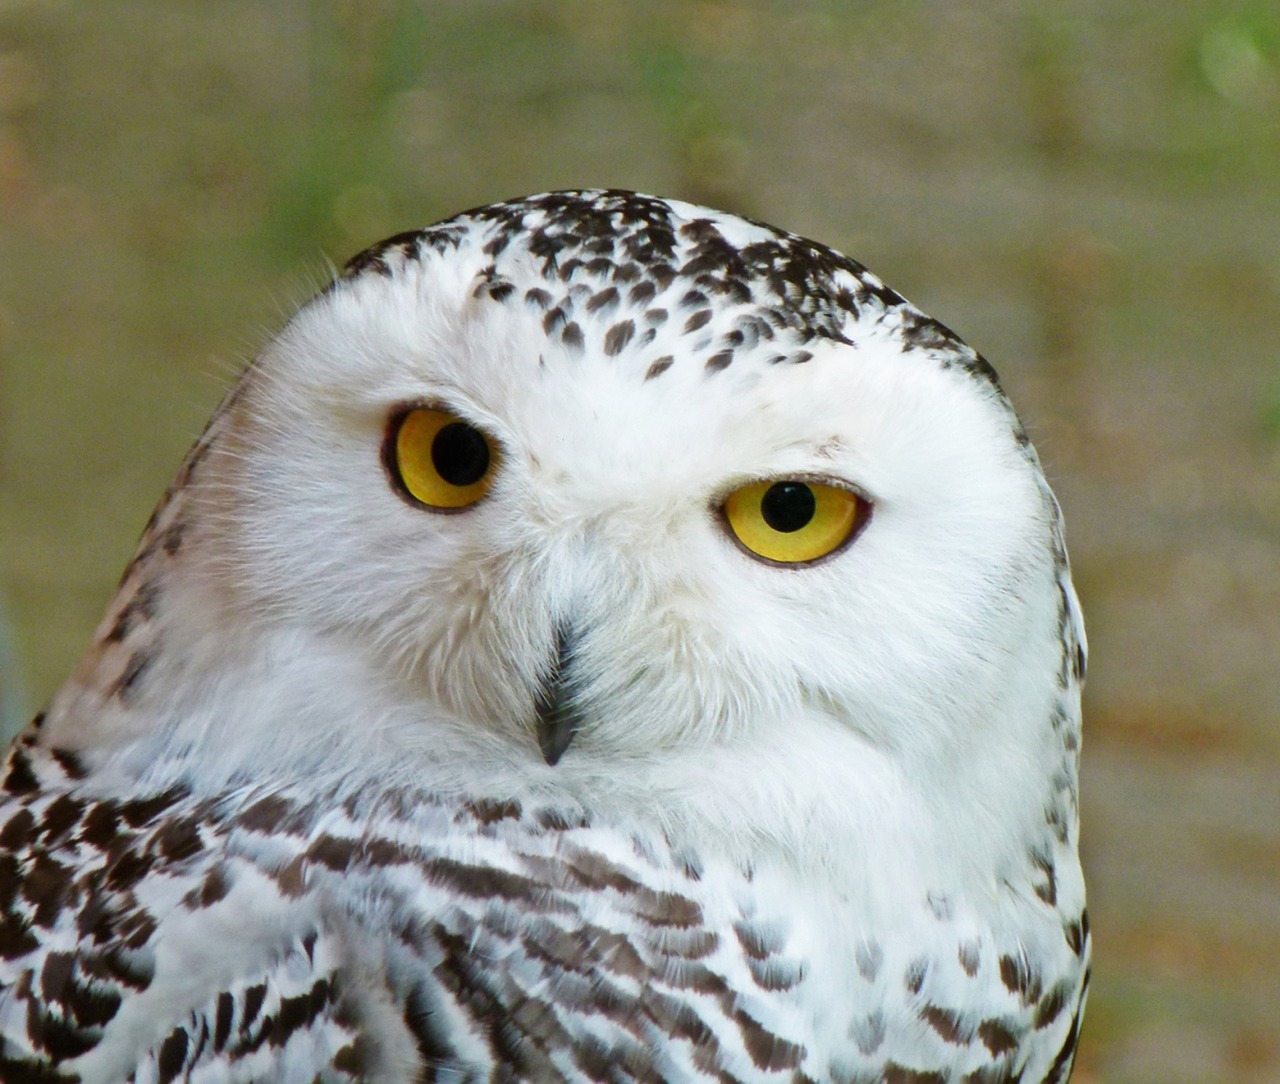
[1089, 193]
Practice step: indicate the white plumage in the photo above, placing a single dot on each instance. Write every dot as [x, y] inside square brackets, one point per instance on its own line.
[600, 639]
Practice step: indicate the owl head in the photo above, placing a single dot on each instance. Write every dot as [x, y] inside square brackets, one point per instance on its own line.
[617, 495]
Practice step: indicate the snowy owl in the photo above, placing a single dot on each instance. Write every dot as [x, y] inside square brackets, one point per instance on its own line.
[599, 639]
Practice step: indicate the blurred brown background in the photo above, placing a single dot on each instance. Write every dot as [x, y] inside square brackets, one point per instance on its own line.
[1088, 192]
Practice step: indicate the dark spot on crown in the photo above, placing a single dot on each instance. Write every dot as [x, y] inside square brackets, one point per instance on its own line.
[554, 319]
[378, 258]
[618, 336]
[619, 243]
[699, 319]
[571, 336]
[641, 293]
[606, 298]
[659, 367]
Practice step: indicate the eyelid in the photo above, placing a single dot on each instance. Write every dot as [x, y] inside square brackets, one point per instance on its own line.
[809, 477]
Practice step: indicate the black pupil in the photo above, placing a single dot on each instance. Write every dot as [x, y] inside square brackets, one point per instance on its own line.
[460, 454]
[788, 506]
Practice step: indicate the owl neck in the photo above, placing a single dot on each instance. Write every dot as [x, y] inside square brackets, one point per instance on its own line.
[825, 801]
[105, 700]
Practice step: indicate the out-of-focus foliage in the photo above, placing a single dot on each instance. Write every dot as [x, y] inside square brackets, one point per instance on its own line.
[1086, 191]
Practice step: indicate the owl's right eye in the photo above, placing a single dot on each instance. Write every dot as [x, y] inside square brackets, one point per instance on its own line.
[793, 521]
[439, 459]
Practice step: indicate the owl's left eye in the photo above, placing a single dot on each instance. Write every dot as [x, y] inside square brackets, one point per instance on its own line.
[793, 521]
[439, 459]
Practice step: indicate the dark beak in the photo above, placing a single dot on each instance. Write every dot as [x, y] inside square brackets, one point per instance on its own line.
[557, 716]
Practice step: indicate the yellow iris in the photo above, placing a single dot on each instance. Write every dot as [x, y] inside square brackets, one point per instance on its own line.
[441, 460]
[792, 522]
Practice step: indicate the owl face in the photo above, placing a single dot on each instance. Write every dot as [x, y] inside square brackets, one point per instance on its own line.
[700, 483]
